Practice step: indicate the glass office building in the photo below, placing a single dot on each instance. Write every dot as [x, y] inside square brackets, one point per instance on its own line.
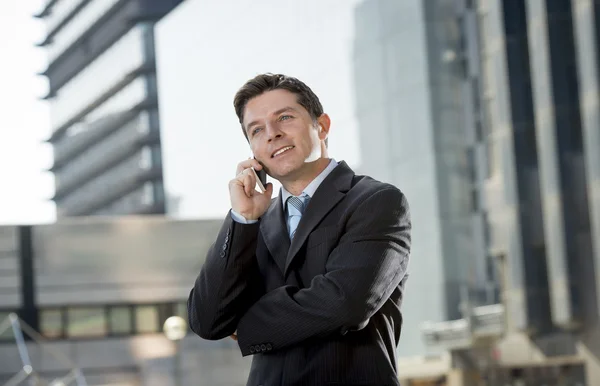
[540, 65]
[416, 83]
[103, 104]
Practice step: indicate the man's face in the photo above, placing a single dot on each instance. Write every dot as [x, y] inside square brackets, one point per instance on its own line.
[282, 134]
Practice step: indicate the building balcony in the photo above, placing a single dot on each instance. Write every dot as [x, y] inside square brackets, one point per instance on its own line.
[483, 324]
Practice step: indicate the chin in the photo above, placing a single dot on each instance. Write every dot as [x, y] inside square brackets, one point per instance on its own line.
[284, 171]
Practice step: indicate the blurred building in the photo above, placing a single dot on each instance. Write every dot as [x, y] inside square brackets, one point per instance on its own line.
[417, 82]
[99, 290]
[104, 106]
[540, 95]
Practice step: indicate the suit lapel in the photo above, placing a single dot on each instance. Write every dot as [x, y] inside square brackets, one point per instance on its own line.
[275, 234]
[327, 195]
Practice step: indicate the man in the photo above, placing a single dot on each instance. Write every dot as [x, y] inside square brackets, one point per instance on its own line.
[312, 280]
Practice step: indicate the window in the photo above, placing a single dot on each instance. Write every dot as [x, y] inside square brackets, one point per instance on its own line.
[146, 320]
[148, 195]
[475, 204]
[120, 320]
[486, 230]
[86, 322]
[95, 322]
[51, 323]
[478, 129]
[146, 158]
[475, 94]
[471, 164]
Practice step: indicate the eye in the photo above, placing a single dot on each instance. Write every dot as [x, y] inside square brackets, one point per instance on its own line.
[256, 130]
[285, 117]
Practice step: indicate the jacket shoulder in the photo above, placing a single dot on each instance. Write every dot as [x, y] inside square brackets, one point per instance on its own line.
[367, 186]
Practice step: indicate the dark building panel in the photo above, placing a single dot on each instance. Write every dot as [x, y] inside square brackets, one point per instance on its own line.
[565, 92]
[560, 147]
[527, 171]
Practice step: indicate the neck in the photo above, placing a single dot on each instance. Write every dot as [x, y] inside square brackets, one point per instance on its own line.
[297, 185]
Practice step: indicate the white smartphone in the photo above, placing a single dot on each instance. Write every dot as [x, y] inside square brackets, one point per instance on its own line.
[261, 179]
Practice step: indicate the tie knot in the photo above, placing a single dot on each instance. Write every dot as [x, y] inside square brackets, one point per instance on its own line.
[298, 202]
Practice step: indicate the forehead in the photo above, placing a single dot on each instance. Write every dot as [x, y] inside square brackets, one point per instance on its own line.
[267, 103]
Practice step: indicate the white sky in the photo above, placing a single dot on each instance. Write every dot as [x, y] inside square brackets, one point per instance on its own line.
[199, 75]
[24, 120]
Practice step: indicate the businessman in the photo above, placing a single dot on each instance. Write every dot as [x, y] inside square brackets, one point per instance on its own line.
[311, 282]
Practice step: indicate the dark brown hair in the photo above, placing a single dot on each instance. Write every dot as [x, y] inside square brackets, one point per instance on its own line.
[268, 82]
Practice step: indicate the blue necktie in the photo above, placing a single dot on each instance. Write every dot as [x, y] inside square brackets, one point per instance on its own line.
[295, 207]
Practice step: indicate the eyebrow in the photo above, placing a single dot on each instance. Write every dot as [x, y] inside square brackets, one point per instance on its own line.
[282, 110]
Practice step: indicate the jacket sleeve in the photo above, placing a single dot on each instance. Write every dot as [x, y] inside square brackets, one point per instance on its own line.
[228, 282]
[361, 273]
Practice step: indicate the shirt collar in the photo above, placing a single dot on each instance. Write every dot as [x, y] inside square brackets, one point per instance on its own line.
[312, 187]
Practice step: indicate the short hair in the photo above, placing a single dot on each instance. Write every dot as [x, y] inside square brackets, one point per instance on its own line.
[269, 82]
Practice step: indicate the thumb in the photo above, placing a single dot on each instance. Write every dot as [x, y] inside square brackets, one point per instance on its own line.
[269, 190]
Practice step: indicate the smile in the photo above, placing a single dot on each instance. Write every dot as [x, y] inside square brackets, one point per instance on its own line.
[281, 151]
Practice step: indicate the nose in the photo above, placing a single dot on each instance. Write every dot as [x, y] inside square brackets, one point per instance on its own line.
[273, 132]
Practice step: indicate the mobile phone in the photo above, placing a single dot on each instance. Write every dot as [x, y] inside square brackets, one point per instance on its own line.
[261, 179]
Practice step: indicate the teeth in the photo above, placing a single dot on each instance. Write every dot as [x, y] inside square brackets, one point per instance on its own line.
[282, 150]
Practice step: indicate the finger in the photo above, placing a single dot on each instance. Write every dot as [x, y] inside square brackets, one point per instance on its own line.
[253, 178]
[249, 184]
[249, 163]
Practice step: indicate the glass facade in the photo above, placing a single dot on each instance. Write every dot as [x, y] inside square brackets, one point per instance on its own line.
[100, 76]
[142, 197]
[586, 24]
[67, 35]
[417, 130]
[119, 175]
[104, 152]
[99, 322]
[562, 170]
[104, 108]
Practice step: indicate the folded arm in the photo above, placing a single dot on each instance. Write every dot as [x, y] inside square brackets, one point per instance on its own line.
[229, 282]
[361, 273]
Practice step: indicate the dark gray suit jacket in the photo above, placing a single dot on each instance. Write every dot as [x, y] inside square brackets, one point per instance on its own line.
[323, 309]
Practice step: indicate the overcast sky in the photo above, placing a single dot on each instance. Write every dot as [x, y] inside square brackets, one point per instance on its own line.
[25, 189]
[207, 49]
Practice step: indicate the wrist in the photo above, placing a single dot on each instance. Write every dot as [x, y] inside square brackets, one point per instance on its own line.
[240, 218]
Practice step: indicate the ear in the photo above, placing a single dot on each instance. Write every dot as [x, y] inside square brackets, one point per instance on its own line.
[324, 123]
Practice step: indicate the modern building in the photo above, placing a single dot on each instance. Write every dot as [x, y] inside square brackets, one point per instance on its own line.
[416, 83]
[104, 105]
[98, 290]
[540, 96]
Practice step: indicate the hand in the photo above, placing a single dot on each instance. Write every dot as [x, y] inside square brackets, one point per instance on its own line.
[233, 336]
[245, 200]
